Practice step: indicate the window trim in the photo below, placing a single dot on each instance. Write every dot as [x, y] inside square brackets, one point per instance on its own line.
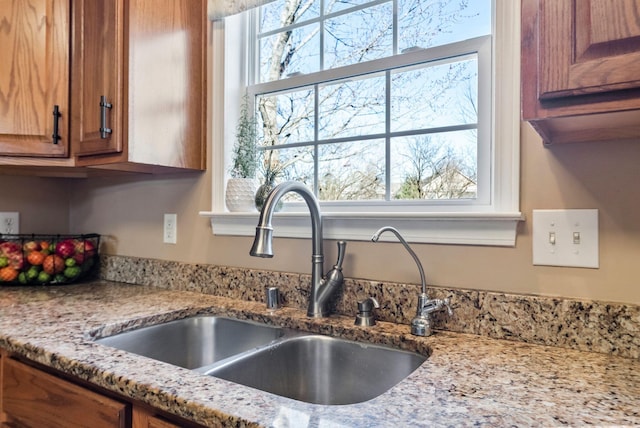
[494, 225]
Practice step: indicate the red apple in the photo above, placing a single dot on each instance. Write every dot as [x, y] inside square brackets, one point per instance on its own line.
[84, 249]
[13, 252]
[85, 246]
[65, 248]
[79, 258]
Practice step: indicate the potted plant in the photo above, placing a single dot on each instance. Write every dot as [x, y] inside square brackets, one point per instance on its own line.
[270, 173]
[242, 186]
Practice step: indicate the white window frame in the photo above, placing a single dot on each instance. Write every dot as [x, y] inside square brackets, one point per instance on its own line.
[451, 222]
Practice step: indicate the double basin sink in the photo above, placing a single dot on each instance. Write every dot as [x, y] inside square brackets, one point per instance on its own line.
[303, 366]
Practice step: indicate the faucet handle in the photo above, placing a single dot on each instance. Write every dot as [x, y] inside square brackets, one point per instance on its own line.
[342, 249]
[431, 305]
[446, 303]
[335, 277]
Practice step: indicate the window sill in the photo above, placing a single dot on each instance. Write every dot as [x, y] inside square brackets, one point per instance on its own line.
[491, 229]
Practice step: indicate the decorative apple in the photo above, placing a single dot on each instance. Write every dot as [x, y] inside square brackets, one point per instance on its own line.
[13, 252]
[65, 248]
[83, 249]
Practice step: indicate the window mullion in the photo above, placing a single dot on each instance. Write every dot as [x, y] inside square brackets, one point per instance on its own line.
[387, 119]
[387, 140]
[382, 135]
[316, 149]
[316, 105]
[436, 55]
[321, 24]
[395, 27]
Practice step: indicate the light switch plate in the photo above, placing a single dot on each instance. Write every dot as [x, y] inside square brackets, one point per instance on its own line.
[170, 229]
[566, 238]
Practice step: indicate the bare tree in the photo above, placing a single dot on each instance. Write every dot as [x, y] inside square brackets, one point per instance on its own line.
[283, 120]
[435, 171]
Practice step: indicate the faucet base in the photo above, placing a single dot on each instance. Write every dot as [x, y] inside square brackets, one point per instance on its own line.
[421, 326]
[317, 311]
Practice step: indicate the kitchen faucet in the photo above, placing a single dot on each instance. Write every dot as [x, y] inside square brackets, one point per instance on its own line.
[321, 288]
[421, 323]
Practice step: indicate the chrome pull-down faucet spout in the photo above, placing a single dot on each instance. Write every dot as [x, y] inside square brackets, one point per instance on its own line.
[321, 289]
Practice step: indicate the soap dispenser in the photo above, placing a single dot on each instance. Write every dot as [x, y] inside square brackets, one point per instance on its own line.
[365, 316]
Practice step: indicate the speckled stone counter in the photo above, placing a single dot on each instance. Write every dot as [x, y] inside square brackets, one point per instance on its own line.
[467, 380]
[594, 326]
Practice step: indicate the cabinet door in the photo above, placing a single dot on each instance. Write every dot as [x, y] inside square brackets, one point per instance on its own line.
[142, 418]
[97, 80]
[34, 77]
[167, 82]
[34, 398]
[588, 46]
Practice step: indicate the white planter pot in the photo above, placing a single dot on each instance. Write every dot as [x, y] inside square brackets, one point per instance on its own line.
[240, 194]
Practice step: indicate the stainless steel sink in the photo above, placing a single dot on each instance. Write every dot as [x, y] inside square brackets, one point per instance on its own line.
[303, 366]
[321, 369]
[194, 342]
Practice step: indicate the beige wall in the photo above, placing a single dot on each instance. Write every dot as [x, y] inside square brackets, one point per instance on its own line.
[43, 203]
[594, 175]
[128, 211]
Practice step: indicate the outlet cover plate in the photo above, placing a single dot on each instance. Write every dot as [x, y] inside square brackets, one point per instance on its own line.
[566, 238]
[9, 223]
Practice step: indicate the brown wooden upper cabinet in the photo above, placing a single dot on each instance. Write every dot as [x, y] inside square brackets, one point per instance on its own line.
[581, 69]
[97, 77]
[134, 95]
[34, 78]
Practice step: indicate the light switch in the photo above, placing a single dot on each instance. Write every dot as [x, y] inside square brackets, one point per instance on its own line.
[566, 238]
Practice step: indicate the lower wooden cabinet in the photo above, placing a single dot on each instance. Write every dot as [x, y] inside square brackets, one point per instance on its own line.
[30, 397]
[34, 398]
[144, 419]
[3, 418]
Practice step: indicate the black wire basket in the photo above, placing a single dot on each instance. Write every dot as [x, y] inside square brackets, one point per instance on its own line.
[48, 259]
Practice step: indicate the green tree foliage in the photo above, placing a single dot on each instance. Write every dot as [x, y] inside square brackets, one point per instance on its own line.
[245, 152]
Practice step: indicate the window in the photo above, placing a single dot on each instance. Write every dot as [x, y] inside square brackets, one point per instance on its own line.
[384, 108]
[392, 111]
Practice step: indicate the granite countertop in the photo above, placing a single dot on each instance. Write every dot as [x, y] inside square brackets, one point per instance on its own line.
[467, 380]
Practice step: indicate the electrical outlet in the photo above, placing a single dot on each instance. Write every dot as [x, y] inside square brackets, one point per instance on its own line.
[9, 223]
[170, 235]
[565, 238]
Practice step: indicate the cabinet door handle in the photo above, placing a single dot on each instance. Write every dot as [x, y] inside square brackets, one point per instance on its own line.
[56, 115]
[104, 105]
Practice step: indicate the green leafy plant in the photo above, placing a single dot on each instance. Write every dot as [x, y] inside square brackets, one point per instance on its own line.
[245, 152]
